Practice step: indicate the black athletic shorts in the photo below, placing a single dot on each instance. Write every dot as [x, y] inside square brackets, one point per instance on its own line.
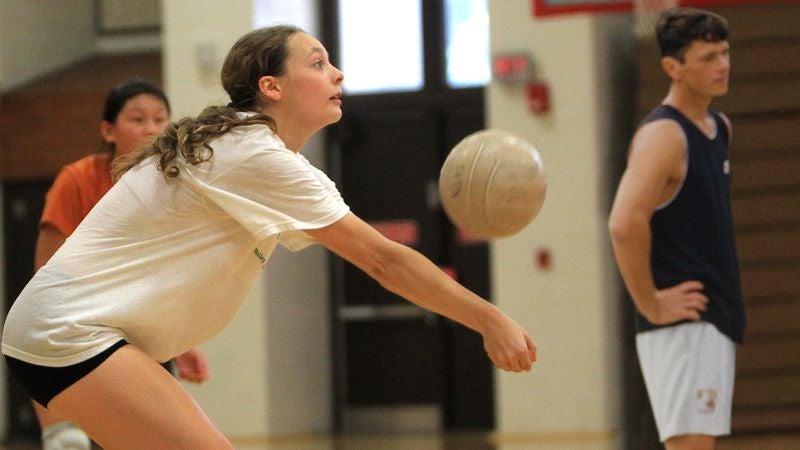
[43, 383]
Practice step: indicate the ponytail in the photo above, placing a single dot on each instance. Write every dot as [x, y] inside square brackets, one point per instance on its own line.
[188, 138]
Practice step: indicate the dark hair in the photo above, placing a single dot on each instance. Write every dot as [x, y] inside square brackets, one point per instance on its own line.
[119, 95]
[258, 53]
[677, 28]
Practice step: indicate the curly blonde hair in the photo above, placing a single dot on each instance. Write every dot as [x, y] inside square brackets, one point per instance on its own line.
[261, 52]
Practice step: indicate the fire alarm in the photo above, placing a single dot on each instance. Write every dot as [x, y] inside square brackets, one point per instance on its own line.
[544, 259]
[512, 67]
[537, 95]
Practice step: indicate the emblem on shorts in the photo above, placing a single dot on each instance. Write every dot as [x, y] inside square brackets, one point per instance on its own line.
[707, 400]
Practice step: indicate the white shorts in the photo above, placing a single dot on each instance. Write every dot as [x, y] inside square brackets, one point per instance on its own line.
[688, 370]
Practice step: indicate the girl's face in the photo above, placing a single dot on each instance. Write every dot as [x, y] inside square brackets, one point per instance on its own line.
[143, 116]
[311, 87]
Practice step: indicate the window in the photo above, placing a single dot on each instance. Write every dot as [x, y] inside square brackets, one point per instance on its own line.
[381, 45]
[301, 13]
[467, 43]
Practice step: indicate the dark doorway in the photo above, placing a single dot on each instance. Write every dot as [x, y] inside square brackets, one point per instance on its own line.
[22, 208]
[385, 156]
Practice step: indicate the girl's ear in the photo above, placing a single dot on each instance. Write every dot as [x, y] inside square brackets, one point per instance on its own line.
[269, 87]
[107, 131]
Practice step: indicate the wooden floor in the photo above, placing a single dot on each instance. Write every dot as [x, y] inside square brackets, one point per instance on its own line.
[468, 441]
[487, 442]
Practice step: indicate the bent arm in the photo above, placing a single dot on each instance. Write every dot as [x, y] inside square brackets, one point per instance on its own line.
[411, 275]
[655, 164]
[47, 243]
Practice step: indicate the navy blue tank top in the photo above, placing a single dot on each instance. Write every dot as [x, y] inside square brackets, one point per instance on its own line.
[692, 233]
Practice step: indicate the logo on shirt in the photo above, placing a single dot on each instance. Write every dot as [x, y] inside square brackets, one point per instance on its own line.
[706, 400]
[726, 167]
[260, 256]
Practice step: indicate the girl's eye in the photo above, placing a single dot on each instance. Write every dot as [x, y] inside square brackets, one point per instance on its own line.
[318, 64]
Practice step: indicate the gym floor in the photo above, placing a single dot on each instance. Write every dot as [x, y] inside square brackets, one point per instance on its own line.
[466, 441]
[492, 442]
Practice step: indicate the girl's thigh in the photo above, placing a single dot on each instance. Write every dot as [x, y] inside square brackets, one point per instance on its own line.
[130, 401]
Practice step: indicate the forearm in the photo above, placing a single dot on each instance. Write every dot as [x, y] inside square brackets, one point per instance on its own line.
[406, 272]
[414, 277]
[47, 243]
[411, 275]
[631, 245]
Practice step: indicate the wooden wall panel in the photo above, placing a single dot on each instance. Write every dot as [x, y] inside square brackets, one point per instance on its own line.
[774, 389]
[766, 209]
[779, 281]
[758, 246]
[56, 120]
[775, 320]
[757, 136]
[759, 420]
[765, 173]
[763, 21]
[761, 96]
[43, 131]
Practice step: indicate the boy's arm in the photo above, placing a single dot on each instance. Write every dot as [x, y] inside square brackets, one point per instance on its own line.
[656, 164]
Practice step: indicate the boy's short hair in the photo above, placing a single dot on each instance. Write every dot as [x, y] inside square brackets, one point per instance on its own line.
[677, 28]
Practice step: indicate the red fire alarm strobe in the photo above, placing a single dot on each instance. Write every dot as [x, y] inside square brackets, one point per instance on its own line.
[538, 96]
[511, 67]
[516, 68]
[543, 258]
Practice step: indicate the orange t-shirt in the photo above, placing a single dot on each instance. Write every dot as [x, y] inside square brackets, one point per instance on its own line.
[76, 189]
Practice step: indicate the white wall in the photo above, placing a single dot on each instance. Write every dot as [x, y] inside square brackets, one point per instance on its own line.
[32, 38]
[570, 309]
[195, 39]
[271, 367]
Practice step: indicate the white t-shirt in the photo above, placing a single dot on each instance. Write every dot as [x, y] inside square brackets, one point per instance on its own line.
[165, 264]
